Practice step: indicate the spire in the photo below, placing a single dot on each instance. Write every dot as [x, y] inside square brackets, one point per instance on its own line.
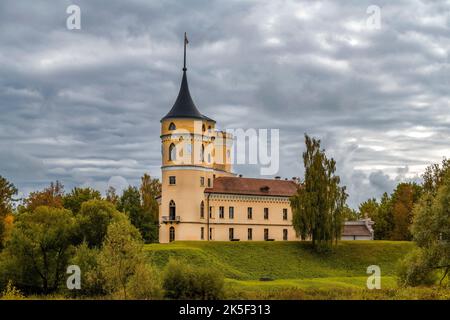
[185, 44]
[184, 106]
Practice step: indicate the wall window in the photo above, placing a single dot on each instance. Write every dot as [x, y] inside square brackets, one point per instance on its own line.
[211, 212]
[266, 213]
[202, 233]
[209, 182]
[202, 210]
[172, 180]
[172, 152]
[172, 210]
[231, 212]
[221, 212]
[249, 233]
[172, 126]
[285, 234]
[211, 236]
[202, 181]
[209, 157]
[171, 234]
[231, 233]
[266, 234]
[285, 214]
[249, 213]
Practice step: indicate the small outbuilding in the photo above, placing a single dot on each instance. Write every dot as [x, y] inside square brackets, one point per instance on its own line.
[358, 230]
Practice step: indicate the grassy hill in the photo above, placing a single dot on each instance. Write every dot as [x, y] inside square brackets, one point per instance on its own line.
[288, 264]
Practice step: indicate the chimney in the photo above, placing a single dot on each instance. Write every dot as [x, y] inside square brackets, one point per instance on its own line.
[240, 176]
[277, 178]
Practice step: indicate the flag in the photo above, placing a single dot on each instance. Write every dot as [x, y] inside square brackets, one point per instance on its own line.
[186, 41]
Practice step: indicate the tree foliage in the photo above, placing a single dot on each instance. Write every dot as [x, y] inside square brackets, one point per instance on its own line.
[36, 256]
[93, 220]
[319, 203]
[77, 196]
[52, 196]
[7, 191]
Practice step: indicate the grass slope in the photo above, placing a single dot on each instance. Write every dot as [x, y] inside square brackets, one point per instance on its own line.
[286, 262]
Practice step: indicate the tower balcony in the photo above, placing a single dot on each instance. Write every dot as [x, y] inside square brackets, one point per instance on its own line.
[170, 219]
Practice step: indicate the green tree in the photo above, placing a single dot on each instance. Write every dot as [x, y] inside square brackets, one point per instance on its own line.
[368, 208]
[93, 220]
[123, 266]
[431, 232]
[7, 191]
[149, 190]
[383, 218]
[350, 214]
[130, 203]
[77, 196]
[318, 206]
[434, 176]
[36, 256]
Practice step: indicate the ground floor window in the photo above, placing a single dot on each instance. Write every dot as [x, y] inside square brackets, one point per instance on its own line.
[266, 234]
[171, 234]
[285, 234]
[231, 233]
[211, 233]
[250, 234]
[202, 233]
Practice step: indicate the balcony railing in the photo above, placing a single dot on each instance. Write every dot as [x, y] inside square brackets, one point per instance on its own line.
[170, 219]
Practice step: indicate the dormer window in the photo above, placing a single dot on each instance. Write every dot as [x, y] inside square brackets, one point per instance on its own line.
[172, 126]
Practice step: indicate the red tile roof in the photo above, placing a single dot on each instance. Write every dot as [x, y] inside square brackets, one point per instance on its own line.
[251, 186]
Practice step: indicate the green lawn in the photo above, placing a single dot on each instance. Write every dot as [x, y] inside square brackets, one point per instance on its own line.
[289, 265]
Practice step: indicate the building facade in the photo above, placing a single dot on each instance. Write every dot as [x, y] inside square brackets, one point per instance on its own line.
[201, 198]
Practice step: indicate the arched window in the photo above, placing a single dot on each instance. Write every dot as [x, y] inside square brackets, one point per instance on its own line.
[172, 210]
[202, 210]
[172, 126]
[203, 128]
[171, 234]
[172, 152]
[202, 153]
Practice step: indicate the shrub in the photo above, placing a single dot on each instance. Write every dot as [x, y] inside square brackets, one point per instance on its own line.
[145, 283]
[413, 270]
[11, 292]
[182, 281]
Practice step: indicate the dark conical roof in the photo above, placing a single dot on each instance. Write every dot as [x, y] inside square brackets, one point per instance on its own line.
[184, 106]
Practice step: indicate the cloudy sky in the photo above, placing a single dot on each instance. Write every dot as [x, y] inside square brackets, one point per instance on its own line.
[83, 106]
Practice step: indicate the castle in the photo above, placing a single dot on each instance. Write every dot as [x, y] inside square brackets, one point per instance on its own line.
[201, 199]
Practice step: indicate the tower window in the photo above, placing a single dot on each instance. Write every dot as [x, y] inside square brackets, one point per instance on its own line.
[202, 153]
[209, 182]
[231, 212]
[221, 212]
[172, 152]
[172, 180]
[249, 213]
[211, 212]
[172, 126]
[202, 181]
[266, 213]
[202, 233]
[172, 210]
[285, 234]
[285, 214]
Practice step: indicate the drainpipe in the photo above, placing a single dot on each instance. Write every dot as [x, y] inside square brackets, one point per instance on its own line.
[207, 216]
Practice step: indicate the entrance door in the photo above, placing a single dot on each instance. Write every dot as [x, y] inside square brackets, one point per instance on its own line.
[171, 234]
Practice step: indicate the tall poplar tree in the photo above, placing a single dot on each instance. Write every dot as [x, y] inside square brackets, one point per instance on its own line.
[319, 204]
